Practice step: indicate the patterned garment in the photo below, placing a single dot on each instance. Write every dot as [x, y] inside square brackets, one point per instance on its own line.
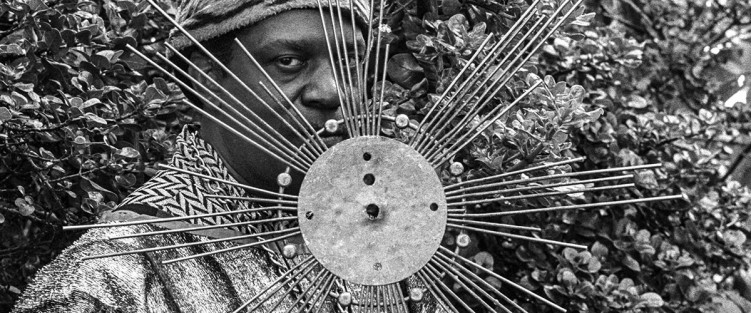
[138, 282]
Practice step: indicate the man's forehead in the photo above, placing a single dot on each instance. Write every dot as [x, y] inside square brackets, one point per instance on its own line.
[302, 28]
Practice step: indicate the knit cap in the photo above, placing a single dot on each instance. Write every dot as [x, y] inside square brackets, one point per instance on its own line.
[208, 19]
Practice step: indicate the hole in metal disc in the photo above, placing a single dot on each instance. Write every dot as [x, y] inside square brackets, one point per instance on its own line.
[372, 210]
[433, 206]
[309, 215]
[366, 156]
[369, 179]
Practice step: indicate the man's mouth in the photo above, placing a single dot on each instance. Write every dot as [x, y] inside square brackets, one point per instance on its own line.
[330, 139]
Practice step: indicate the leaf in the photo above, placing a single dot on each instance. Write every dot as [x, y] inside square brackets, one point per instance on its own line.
[128, 152]
[404, 70]
[650, 300]
[24, 207]
[599, 250]
[636, 102]
[631, 263]
[5, 114]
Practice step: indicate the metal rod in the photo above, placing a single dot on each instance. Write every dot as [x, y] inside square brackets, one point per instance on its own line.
[515, 236]
[460, 278]
[544, 186]
[190, 229]
[563, 175]
[462, 92]
[462, 268]
[383, 88]
[376, 105]
[198, 44]
[317, 281]
[173, 219]
[310, 130]
[526, 170]
[333, 69]
[503, 279]
[231, 183]
[543, 194]
[189, 244]
[347, 94]
[474, 77]
[305, 266]
[324, 294]
[213, 118]
[442, 156]
[491, 224]
[362, 109]
[252, 199]
[277, 140]
[345, 50]
[437, 294]
[433, 273]
[418, 135]
[250, 245]
[568, 207]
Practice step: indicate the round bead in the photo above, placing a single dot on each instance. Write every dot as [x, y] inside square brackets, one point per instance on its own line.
[344, 299]
[416, 294]
[289, 251]
[331, 126]
[402, 121]
[284, 179]
[462, 240]
[456, 168]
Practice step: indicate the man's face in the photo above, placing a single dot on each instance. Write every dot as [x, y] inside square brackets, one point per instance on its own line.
[292, 49]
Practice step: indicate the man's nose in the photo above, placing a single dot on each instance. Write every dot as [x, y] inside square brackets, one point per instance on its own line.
[321, 92]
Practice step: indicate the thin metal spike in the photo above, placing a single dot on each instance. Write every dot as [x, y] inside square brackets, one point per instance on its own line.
[378, 298]
[347, 93]
[474, 77]
[397, 298]
[174, 219]
[437, 294]
[353, 104]
[376, 104]
[543, 194]
[463, 100]
[457, 266]
[460, 279]
[468, 117]
[568, 207]
[389, 300]
[252, 199]
[321, 278]
[245, 246]
[366, 68]
[199, 45]
[434, 268]
[308, 128]
[231, 183]
[206, 114]
[322, 296]
[515, 236]
[383, 88]
[555, 176]
[418, 136]
[287, 291]
[189, 244]
[543, 186]
[360, 85]
[309, 144]
[474, 132]
[342, 105]
[526, 170]
[197, 228]
[503, 279]
[433, 273]
[270, 135]
[309, 262]
[491, 224]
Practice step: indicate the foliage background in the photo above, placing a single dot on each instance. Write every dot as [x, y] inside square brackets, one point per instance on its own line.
[83, 123]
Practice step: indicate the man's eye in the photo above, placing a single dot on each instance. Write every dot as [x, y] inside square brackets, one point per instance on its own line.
[289, 62]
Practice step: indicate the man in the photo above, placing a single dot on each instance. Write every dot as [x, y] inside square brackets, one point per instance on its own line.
[288, 40]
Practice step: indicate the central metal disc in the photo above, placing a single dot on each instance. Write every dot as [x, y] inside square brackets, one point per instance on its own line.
[372, 210]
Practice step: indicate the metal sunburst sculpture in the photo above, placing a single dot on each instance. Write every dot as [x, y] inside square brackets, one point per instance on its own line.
[372, 210]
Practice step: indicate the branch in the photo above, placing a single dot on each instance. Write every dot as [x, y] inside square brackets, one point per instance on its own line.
[737, 162]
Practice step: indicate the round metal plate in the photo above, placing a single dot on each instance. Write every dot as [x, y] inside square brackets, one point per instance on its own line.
[372, 210]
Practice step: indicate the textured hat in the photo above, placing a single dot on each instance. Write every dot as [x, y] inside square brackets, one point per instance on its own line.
[208, 19]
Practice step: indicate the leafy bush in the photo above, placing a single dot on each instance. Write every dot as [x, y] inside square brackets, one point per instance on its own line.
[83, 123]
